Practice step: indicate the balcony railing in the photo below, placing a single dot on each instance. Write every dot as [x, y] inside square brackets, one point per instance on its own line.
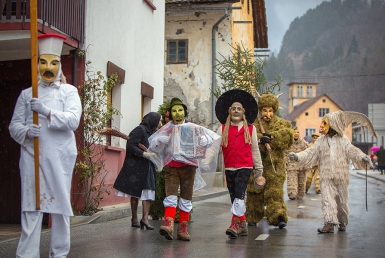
[65, 16]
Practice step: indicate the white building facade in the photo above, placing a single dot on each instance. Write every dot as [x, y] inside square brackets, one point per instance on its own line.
[130, 36]
[376, 114]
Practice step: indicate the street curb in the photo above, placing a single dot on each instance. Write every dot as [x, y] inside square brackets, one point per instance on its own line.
[125, 211]
[374, 177]
[209, 196]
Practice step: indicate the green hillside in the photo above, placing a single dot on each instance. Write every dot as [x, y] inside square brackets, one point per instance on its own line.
[340, 45]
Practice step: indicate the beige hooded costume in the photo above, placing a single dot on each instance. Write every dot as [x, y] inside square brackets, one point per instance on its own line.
[332, 153]
[296, 175]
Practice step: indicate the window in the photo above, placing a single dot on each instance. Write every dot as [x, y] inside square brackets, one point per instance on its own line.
[323, 111]
[309, 91]
[323, 100]
[306, 113]
[299, 91]
[177, 51]
[309, 131]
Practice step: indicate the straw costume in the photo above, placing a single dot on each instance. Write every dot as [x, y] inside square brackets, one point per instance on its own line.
[296, 176]
[313, 174]
[332, 153]
[279, 135]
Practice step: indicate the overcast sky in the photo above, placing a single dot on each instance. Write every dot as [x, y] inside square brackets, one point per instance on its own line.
[280, 13]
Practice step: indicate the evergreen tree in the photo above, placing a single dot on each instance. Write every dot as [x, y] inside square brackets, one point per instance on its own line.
[353, 48]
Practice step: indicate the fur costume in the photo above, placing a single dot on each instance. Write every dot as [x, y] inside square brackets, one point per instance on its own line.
[296, 176]
[332, 153]
[313, 176]
[273, 168]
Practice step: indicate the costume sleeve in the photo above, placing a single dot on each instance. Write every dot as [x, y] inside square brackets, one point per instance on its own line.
[355, 154]
[136, 137]
[18, 126]
[69, 117]
[310, 156]
[257, 161]
[283, 136]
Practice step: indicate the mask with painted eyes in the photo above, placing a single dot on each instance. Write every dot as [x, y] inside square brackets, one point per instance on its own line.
[267, 113]
[296, 134]
[49, 66]
[325, 126]
[236, 112]
[178, 114]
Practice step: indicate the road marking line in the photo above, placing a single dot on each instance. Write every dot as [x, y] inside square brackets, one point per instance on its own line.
[301, 207]
[262, 237]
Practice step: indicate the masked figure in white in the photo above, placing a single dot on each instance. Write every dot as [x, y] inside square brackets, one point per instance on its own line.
[59, 110]
[332, 153]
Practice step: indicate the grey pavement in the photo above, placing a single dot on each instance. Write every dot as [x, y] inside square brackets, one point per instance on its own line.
[10, 232]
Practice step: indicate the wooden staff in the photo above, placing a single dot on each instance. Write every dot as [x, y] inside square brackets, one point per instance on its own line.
[34, 53]
[263, 131]
[266, 144]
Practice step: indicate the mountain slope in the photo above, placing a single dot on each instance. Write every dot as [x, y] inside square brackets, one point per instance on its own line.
[340, 45]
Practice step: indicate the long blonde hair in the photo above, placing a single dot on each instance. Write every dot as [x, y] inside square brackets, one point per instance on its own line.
[225, 133]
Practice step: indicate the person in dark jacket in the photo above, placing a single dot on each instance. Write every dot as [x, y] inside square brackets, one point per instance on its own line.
[136, 179]
[381, 159]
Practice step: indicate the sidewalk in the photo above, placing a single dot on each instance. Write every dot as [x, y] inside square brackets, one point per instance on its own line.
[372, 174]
[112, 212]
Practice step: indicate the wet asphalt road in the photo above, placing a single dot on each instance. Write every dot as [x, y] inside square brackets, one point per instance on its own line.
[365, 235]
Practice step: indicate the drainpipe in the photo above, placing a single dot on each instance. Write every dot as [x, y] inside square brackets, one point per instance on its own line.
[75, 69]
[213, 61]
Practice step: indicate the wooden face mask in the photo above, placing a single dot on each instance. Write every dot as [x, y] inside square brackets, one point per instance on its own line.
[236, 112]
[325, 126]
[178, 114]
[49, 67]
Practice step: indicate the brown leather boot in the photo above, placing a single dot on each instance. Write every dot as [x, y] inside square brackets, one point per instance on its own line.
[243, 228]
[182, 231]
[233, 230]
[327, 228]
[167, 230]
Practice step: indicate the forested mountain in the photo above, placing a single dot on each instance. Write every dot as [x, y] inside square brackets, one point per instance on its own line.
[339, 44]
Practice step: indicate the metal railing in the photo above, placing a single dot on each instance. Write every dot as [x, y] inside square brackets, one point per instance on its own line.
[65, 16]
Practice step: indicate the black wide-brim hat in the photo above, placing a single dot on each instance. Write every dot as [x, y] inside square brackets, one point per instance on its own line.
[225, 101]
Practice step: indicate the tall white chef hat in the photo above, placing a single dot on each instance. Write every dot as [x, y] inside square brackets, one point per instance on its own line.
[51, 44]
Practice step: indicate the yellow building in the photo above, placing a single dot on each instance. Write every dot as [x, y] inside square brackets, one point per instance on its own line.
[307, 110]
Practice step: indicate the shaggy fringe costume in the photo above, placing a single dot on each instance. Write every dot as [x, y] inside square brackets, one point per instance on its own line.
[272, 196]
[296, 176]
[332, 153]
[313, 176]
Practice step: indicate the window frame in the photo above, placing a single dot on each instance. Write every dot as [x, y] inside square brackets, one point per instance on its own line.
[177, 55]
[310, 131]
[309, 91]
[323, 111]
[299, 91]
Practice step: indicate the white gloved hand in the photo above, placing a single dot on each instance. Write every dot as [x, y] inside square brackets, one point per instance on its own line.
[33, 131]
[366, 159]
[293, 156]
[39, 107]
[148, 155]
[164, 139]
